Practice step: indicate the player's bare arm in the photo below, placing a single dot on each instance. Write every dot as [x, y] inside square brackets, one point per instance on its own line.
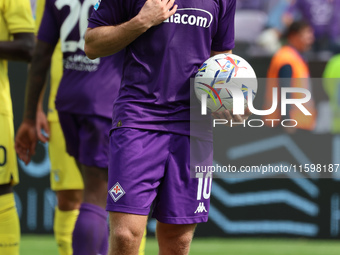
[36, 78]
[107, 40]
[43, 129]
[26, 137]
[20, 49]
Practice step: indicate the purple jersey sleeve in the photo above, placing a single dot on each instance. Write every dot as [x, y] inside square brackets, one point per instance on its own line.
[225, 35]
[107, 13]
[49, 29]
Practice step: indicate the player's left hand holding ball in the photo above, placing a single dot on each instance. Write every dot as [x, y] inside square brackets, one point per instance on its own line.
[26, 140]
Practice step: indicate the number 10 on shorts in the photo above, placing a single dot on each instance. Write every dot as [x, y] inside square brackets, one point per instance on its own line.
[206, 188]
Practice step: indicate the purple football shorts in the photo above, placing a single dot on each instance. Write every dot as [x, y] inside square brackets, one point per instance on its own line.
[87, 138]
[153, 168]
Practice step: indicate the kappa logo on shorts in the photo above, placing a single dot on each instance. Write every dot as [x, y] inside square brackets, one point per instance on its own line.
[201, 208]
[116, 192]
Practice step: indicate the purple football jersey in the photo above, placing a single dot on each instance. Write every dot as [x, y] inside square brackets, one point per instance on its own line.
[87, 86]
[155, 90]
[318, 13]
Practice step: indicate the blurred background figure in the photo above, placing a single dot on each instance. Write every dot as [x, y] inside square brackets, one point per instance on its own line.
[323, 16]
[266, 21]
[288, 68]
[269, 19]
[331, 83]
[335, 28]
[16, 43]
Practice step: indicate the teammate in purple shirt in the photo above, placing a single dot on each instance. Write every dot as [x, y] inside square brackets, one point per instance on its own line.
[85, 83]
[84, 103]
[150, 139]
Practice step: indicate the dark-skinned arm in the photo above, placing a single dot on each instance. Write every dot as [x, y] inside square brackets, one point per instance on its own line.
[36, 78]
[19, 49]
[26, 138]
[41, 120]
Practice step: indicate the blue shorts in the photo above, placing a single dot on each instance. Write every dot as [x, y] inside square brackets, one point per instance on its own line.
[153, 168]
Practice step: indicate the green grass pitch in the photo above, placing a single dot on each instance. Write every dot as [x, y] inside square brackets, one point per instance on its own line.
[45, 245]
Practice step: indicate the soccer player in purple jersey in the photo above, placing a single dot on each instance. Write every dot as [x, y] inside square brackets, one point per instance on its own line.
[84, 103]
[150, 138]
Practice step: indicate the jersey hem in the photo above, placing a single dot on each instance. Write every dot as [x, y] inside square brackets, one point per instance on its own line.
[226, 48]
[22, 30]
[201, 136]
[88, 114]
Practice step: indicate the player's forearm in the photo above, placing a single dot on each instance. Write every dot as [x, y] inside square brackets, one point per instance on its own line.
[20, 49]
[41, 99]
[36, 78]
[108, 40]
[15, 51]
[105, 41]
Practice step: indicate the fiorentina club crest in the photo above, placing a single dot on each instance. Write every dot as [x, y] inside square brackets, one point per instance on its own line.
[116, 192]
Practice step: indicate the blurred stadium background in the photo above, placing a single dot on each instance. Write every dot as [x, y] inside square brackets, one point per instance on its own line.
[248, 216]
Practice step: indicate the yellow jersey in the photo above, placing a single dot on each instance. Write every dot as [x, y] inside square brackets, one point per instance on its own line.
[56, 66]
[15, 17]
